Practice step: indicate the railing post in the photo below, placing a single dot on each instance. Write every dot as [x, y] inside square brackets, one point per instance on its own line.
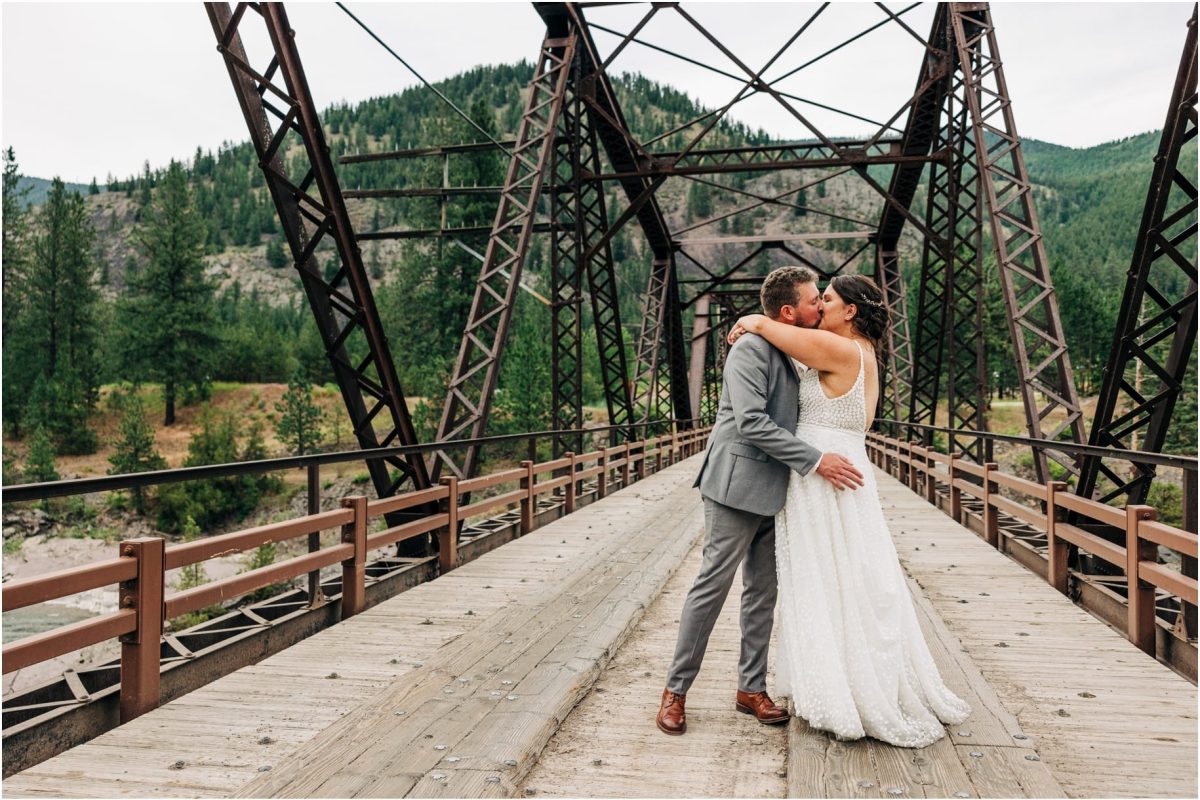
[354, 568]
[315, 598]
[914, 473]
[955, 492]
[930, 477]
[658, 454]
[529, 501]
[991, 517]
[1056, 548]
[602, 480]
[626, 469]
[1187, 564]
[140, 688]
[569, 495]
[641, 465]
[1140, 594]
[448, 542]
[903, 467]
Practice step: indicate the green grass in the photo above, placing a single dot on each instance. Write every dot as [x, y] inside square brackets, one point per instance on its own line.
[87, 530]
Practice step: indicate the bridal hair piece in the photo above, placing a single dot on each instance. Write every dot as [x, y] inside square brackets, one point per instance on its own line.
[873, 315]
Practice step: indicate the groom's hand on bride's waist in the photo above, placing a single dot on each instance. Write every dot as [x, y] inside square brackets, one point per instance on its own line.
[839, 471]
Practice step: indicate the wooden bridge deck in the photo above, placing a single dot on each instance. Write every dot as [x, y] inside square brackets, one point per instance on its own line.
[536, 669]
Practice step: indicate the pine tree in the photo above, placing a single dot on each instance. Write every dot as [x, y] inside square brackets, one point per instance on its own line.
[191, 575]
[51, 329]
[170, 314]
[39, 463]
[525, 401]
[13, 255]
[93, 188]
[276, 257]
[135, 450]
[299, 425]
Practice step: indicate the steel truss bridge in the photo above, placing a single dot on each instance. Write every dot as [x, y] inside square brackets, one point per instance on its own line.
[955, 134]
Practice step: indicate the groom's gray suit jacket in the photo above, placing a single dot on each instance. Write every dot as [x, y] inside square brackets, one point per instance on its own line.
[753, 445]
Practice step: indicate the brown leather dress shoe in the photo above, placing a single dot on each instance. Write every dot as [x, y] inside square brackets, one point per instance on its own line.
[670, 717]
[762, 707]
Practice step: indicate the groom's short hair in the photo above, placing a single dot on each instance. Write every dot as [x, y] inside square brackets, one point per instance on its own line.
[782, 288]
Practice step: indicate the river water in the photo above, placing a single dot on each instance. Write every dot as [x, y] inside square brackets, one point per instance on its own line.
[40, 618]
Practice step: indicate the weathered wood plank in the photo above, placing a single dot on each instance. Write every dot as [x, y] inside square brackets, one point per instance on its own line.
[609, 746]
[1042, 656]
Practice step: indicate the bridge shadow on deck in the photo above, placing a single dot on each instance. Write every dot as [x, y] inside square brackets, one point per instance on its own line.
[462, 686]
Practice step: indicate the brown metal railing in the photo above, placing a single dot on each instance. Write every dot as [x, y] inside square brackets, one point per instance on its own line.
[925, 471]
[142, 563]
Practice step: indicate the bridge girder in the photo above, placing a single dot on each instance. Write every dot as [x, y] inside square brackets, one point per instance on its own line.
[1155, 335]
[959, 133]
[279, 110]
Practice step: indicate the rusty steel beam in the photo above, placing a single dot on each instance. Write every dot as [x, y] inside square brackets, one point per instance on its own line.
[438, 233]
[700, 354]
[919, 138]
[651, 378]
[897, 358]
[312, 212]
[600, 271]
[566, 274]
[1043, 365]
[580, 210]
[476, 370]
[661, 369]
[1155, 335]
[666, 169]
[950, 249]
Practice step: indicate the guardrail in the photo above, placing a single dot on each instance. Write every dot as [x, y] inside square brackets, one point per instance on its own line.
[140, 568]
[926, 471]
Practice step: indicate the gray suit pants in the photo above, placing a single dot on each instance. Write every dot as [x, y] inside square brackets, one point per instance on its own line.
[732, 537]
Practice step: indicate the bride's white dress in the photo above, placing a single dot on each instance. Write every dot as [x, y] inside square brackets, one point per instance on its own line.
[851, 653]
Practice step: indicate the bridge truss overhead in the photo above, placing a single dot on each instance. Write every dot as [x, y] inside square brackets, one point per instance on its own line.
[1155, 338]
[954, 138]
[280, 113]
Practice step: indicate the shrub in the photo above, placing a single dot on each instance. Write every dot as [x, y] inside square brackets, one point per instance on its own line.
[191, 576]
[209, 502]
[1168, 499]
[39, 463]
[135, 449]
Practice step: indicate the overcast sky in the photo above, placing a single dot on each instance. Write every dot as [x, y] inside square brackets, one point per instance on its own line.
[90, 89]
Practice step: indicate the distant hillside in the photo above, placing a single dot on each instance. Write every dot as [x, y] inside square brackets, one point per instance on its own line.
[38, 188]
[1089, 202]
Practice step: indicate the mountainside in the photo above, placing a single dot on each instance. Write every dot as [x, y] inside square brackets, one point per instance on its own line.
[1089, 202]
[36, 189]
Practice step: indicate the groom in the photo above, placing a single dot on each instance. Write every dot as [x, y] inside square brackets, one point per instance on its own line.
[744, 481]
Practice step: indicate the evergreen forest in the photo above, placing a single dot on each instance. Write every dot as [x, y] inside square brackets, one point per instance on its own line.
[179, 275]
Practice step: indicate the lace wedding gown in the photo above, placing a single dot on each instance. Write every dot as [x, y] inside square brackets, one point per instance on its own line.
[851, 653]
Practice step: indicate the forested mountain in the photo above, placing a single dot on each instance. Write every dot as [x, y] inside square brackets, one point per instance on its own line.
[1089, 200]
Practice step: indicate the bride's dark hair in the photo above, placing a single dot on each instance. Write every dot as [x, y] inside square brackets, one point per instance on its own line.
[872, 317]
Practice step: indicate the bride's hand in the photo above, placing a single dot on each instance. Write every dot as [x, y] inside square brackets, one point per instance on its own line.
[751, 323]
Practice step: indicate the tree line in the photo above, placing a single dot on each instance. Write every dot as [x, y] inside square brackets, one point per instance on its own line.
[170, 326]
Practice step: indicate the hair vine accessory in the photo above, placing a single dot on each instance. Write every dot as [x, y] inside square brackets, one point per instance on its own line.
[874, 303]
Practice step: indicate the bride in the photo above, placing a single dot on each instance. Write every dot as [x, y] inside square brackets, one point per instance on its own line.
[851, 654]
